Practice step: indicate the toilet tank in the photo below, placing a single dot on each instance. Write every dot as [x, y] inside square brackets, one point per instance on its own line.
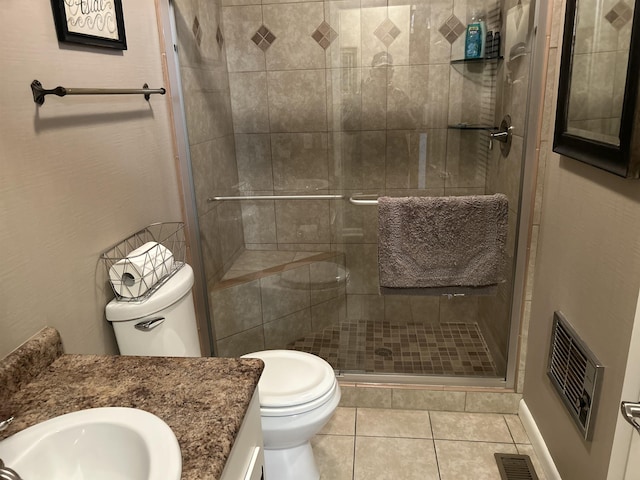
[164, 324]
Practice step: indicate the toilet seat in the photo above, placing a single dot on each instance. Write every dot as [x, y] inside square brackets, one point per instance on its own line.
[293, 382]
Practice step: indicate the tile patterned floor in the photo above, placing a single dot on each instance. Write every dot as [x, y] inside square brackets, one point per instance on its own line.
[413, 348]
[381, 444]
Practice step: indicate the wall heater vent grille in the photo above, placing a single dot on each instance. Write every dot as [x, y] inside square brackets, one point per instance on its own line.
[575, 372]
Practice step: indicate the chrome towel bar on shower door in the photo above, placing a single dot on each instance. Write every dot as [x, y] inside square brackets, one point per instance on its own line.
[354, 200]
[277, 197]
[359, 200]
[39, 92]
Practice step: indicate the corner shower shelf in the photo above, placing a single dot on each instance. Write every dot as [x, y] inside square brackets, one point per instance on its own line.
[470, 126]
[475, 69]
[475, 60]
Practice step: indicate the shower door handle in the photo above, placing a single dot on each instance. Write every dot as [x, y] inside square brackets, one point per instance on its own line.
[631, 413]
[503, 135]
[500, 136]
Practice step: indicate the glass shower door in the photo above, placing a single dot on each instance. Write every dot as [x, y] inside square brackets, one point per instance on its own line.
[409, 116]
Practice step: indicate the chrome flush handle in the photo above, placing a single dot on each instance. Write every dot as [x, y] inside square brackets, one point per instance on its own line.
[150, 324]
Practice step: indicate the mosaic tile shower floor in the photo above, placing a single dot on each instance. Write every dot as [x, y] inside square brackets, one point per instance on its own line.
[412, 348]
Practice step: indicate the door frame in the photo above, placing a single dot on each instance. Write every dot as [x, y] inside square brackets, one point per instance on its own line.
[626, 440]
[171, 67]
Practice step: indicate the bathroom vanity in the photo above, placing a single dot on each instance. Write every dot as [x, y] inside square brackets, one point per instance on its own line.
[211, 404]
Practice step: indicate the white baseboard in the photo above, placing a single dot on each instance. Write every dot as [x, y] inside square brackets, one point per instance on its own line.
[537, 442]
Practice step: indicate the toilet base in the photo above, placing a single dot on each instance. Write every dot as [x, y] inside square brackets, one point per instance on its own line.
[296, 463]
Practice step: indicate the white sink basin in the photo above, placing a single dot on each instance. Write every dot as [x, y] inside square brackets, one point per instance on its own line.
[96, 444]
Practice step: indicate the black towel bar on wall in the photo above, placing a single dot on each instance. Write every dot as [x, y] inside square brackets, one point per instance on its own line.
[39, 92]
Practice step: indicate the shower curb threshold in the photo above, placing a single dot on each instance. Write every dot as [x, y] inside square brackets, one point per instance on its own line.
[470, 399]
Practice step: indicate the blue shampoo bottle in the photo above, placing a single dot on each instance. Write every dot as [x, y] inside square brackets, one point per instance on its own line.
[475, 38]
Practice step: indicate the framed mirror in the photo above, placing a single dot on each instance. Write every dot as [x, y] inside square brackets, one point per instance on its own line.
[598, 88]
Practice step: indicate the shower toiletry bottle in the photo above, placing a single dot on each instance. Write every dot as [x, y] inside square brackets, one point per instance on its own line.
[488, 45]
[496, 45]
[474, 40]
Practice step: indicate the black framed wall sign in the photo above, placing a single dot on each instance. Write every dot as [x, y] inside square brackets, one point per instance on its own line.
[91, 22]
[597, 115]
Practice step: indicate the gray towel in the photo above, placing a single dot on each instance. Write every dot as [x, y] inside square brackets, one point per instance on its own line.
[442, 245]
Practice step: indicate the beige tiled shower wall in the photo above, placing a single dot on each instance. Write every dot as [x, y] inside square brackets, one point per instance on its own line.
[347, 97]
[205, 86]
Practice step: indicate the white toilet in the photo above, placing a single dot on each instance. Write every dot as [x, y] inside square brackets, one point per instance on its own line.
[298, 395]
[163, 324]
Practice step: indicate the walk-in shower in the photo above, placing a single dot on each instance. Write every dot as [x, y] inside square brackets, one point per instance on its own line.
[299, 115]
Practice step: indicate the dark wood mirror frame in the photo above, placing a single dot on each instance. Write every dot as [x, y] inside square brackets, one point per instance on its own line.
[623, 159]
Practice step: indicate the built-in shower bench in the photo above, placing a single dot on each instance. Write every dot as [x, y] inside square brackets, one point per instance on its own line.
[269, 299]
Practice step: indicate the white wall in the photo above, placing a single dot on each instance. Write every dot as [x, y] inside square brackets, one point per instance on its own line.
[77, 174]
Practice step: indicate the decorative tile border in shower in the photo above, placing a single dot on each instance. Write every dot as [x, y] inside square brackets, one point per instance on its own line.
[430, 397]
[324, 35]
[619, 15]
[452, 28]
[387, 32]
[263, 38]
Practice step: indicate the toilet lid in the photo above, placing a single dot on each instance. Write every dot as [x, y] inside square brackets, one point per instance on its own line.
[292, 378]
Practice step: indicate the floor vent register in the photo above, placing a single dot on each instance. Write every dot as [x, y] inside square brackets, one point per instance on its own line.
[515, 467]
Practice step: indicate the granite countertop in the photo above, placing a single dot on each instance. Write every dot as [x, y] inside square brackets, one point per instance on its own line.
[203, 400]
